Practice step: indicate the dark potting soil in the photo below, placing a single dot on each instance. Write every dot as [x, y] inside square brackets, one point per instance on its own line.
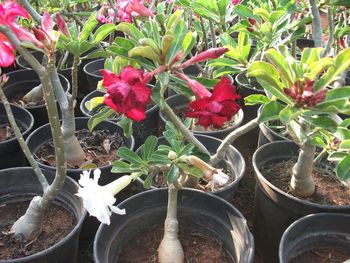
[198, 247]
[279, 174]
[6, 132]
[99, 146]
[324, 255]
[58, 224]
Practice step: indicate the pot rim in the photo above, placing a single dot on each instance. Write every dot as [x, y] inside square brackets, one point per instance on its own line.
[53, 168]
[24, 133]
[141, 195]
[86, 71]
[261, 179]
[77, 226]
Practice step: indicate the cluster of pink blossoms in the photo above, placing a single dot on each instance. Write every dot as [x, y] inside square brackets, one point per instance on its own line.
[126, 9]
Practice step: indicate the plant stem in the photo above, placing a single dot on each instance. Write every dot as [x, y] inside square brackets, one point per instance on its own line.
[170, 249]
[316, 23]
[213, 36]
[21, 141]
[220, 153]
[205, 39]
[302, 183]
[331, 32]
[34, 14]
[185, 132]
[75, 77]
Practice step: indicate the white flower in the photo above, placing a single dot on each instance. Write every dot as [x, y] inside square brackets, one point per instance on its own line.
[98, 200]
[219, 178]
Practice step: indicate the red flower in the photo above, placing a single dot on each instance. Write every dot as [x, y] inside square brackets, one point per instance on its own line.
[303, 94]
[218, 108]
[127, 93]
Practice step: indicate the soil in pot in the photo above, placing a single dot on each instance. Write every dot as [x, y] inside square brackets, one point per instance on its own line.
[100, 148]
[6, 132]
[325, 255]
[18, 100]
[198, 246]
[329, 191]
[57, 225]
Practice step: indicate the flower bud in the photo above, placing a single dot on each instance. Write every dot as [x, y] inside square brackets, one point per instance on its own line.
[204, 56]
[62, 26]
[252, 21]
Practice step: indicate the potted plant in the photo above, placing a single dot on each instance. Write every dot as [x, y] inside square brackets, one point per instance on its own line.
[39, 190]
[303, 98]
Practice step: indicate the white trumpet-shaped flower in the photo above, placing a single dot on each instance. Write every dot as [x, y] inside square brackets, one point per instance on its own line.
[98, 200]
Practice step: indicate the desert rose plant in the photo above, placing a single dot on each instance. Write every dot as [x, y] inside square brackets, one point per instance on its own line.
[301, 96]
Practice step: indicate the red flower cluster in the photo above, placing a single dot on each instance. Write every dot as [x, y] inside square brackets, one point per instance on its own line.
[127, 93]
[304, 95]
[217, 108]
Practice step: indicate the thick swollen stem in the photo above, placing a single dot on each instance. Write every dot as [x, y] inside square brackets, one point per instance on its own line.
[302, 183]
[220, 153]
[182, 128]
[74, 153]
[34, 95]
[331, 32]
[316, 23]
[170, 249]
[22, 143]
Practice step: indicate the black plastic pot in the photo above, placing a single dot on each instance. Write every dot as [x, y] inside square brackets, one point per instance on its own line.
[21, 82]
[233, 161]
[324, 230]
[196, 209]
[181, 102]
[304, 43]
[11, 153]
[275, 210]
[43, 134]
[67, 72]
[141, 130]
[246, 87]
[21, 184]
[92, 72]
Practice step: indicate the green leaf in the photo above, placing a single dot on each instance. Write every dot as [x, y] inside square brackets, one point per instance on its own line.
[89, 26]
[255, 99]
[281, 64]
[189, 42]
[120, 167]
[324, 122]
[343, 168]
[148, 182]
[243, 11]
[318, 67]
[166, 43]
[173, 20]
[345, 145]
[93, 103]
[128, 155]
[130, 30]
[149, 147]
[270, 111]
[88, 166]
[192, 170]
[146, 52]
[290, 113]
[172, 174]
[336, 156]
[99, 117]
[126, 124]
[102, 32]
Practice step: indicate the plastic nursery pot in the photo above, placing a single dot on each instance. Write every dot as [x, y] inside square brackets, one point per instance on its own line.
[43, 134]
[304, 43]
[324, 230]
[245, 87]
[233, 161]
[22, 81]
[21, 184]
[141, 130]
[275, 210]
[195, 209]
[67, 72]
[92, 72]
[179, 102]
[10, 152]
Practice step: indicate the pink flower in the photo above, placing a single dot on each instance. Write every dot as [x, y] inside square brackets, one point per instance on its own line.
[128, 8]
[198, 89]
[9, 10]
[235, 2]
[127, 93]
[303, 94]
[204, 56]
[62, 26]
[218, 108]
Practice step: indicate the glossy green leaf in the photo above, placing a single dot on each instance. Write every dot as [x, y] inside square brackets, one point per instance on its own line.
[290, 113]
[89, 26]
[128, 155]
[126, 124]
[146, 52]
[99, 117]
[130, 30]
[149, 147]
[255, 99]
[120, 167]
[343, 168]
[270, 111]
[102, 32]
[93, 103]
[172, 174]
